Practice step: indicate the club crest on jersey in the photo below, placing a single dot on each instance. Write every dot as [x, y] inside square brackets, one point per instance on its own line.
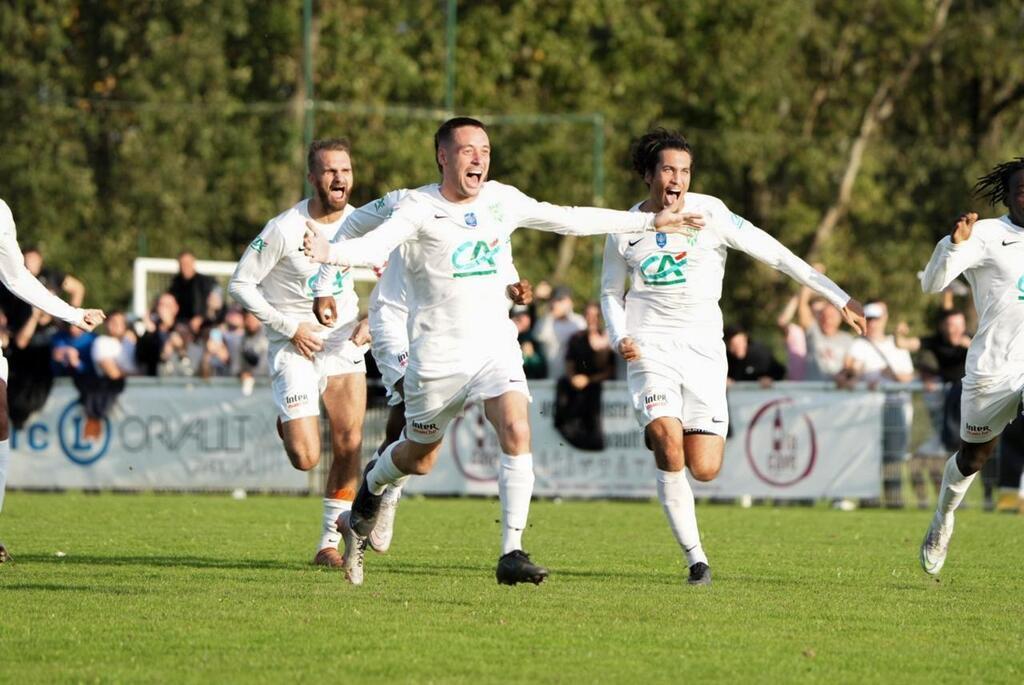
[470, 219]
[663, 268]
[336, 287]
[476, 258]
[661, 239]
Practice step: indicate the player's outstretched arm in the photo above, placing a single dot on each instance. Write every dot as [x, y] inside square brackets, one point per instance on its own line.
[370, 250]
[953, 255]
[27, 287]
[614, 271]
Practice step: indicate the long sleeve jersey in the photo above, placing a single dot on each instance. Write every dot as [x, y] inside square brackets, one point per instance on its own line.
[676, 280]
[20, 280]
[992, 261]
[454, 281]
[274, 279]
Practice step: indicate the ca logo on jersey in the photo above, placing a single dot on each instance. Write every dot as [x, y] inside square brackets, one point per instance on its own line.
[475, 258]
[1020, 287]
[258, 244]
[336, 287]
[663, 268]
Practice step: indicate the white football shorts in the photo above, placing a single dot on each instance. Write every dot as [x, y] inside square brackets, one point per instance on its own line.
[987, 406]
[684, 380]
[432, 403]
[297, 382]
[390, 348]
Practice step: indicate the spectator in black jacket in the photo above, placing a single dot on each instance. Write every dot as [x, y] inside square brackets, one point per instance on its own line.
[749, 360]
[191, 290]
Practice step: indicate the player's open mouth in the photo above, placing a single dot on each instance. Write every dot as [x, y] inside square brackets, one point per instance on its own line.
[338, 192]
[671, 196]
[475, 177]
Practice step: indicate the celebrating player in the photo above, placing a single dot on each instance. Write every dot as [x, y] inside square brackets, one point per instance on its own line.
[668, 327]
[274, 281]
[461, 339]
[24, 285]
[388, 317]
[990, 255]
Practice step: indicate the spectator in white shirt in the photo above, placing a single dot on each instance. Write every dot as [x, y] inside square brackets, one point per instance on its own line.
[555, 328]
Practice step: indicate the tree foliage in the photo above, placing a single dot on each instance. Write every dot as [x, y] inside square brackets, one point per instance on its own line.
[149, 126]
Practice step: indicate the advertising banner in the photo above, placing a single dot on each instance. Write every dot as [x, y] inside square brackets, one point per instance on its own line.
[172, 435]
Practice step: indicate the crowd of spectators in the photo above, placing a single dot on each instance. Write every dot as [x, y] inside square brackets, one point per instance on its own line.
[188, 332]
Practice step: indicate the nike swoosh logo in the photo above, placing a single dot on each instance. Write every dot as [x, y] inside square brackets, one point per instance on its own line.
[634, 242]
[440, 216]
[716, 420]
[1012, 242]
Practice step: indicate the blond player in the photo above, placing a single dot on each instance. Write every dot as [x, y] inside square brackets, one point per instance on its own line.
[23, 284]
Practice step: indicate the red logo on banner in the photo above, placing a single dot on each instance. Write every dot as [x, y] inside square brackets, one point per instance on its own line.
[781, 446]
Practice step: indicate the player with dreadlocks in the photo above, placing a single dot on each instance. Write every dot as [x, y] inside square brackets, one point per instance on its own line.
[990, 255]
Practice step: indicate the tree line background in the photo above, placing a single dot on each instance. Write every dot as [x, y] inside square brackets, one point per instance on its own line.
[852, 130]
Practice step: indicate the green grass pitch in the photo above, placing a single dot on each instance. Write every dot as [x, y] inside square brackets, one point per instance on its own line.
[158, 588]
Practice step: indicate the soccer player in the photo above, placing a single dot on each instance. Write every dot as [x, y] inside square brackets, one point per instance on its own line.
[668, 327]
[462, 343]
[388, 318]
[17, 278]
[274, 281]
[990, 255]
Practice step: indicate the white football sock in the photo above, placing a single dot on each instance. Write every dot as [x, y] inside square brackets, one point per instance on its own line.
[333, 508]
[5, 459]
[954, 487]
[677, 500]
[385, 473]
[515, 488]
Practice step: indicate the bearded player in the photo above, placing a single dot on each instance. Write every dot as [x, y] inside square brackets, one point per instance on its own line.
[668, 327]
[274, 281]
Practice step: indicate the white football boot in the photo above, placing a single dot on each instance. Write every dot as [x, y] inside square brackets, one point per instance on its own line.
[380, 537]
[936, 544]
[355, 550]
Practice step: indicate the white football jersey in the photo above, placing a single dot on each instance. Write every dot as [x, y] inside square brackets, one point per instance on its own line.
[274, 279]
[20, 280]
[676, 280]
[992, 261]
[454, 279]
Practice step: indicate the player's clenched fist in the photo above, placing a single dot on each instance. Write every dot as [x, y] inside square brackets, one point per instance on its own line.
[91, 318]
[520, 292]
[629, 350]
[964, 227]
[325, 309]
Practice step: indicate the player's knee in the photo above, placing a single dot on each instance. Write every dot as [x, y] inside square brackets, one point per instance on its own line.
[422, 465]
[348, 442]
[303, 457]
[705, 471]
[516, 435]
[974, 455]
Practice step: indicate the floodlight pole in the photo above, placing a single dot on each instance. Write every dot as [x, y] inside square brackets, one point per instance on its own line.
[307, 103]
[451, 25]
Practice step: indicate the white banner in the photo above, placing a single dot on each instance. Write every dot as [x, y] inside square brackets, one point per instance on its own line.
[785, 443]
[163, 435]
[788, 442]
